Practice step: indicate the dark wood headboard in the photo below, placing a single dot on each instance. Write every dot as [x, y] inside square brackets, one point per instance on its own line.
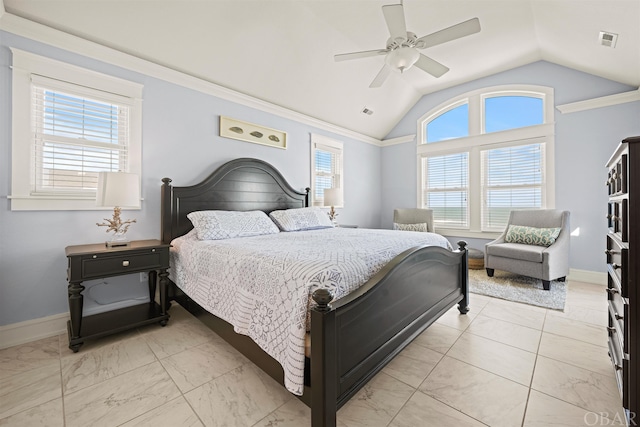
[239, 185]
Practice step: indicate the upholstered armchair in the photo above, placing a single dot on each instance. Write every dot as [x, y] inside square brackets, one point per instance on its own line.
[413, 219]
[526, 250]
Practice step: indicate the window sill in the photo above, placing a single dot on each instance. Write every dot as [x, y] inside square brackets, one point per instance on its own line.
[26, 203]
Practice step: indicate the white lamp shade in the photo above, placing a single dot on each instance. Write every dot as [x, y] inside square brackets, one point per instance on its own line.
[333, 197]
[118, 189]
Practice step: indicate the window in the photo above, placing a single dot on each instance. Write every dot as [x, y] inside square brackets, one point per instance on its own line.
[511, 112]
[68, 125]
[75, 137]
[512, 178]
[447, 187]
[451, 124]
[326, 167]
[485, 153]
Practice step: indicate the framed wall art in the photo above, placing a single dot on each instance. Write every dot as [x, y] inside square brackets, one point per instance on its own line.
[249, 132]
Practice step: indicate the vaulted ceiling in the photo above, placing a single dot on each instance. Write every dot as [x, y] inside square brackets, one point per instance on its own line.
[282, 51]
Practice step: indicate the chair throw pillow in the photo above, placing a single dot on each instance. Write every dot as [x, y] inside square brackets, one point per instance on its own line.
[422, 226]
[532, 235]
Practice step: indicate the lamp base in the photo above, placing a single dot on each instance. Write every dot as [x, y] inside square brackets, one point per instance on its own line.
[118, 239]
[117, 244]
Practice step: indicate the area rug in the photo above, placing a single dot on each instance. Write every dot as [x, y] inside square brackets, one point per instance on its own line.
[512, 287]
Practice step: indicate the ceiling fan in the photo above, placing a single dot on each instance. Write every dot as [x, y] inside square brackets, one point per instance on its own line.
[402, 47]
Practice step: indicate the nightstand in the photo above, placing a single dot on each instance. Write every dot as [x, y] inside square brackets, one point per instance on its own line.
[97, 261]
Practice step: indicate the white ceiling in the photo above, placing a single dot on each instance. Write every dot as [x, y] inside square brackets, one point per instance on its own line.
[282, 51]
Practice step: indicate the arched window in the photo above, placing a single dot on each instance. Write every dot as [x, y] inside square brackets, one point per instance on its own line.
[485, 153]
[453, 123]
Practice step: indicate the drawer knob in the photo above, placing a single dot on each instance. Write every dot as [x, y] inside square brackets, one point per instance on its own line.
[617, 316]
[615, 266]
[617, 367]
[611, 329]
[612, 291]
[611, 252]
[125, 263]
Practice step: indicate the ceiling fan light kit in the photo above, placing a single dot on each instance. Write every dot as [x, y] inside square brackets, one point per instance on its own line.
[402, 47]
[402, 58]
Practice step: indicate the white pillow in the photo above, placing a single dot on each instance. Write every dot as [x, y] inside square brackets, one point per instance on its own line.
[422, 226]
[217, 225]
[301, 219]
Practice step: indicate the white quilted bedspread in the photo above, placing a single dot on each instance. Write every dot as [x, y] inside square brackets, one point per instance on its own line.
[262, 285]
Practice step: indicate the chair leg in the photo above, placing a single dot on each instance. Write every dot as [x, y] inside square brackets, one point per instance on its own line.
[490, 272]
[546, 284]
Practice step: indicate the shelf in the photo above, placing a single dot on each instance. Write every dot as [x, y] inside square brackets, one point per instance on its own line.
[111, 322]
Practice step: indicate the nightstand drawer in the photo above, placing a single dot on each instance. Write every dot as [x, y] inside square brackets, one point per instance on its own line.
[100, 267]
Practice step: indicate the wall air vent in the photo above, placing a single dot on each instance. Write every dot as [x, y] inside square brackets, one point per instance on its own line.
[608, 39]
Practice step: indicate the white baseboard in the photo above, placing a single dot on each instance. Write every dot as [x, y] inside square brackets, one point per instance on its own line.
[32, 330]
[586, 276]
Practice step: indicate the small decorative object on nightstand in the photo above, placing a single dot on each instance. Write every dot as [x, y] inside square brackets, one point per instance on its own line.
[333, 198]
[95, 261]
[118, 189]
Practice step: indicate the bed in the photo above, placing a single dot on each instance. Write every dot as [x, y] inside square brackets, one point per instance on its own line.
[353, 337]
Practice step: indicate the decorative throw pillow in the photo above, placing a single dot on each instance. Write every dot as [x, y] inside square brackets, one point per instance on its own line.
[532, 235]
[217, 225]
[422, 226]
[301, 219]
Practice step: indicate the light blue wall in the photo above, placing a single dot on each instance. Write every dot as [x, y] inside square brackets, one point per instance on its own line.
[583, 143]
[180, 141]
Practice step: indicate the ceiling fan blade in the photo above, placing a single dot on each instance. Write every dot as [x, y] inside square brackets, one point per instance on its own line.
[358, 55]
[381, 77]
[431, 66]
[394, 15]
[457, 31]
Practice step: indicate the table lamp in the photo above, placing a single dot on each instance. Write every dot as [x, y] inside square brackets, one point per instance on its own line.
[333, 198]
[118, 190]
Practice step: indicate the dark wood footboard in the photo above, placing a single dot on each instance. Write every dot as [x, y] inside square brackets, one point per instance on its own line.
[353, 338]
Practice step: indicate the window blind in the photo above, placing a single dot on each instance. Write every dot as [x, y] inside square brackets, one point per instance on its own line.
[328, 169]
[446, 188]
[512, 178]
[77, 132]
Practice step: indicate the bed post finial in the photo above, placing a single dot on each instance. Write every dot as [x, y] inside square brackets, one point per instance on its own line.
[462, 245]
[322, 297]
[166, 208]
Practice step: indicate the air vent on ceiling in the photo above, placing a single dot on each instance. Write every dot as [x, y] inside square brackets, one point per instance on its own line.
[367, 111]
[608, 39]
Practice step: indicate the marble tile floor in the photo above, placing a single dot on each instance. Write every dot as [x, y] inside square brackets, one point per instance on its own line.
[503, 364]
